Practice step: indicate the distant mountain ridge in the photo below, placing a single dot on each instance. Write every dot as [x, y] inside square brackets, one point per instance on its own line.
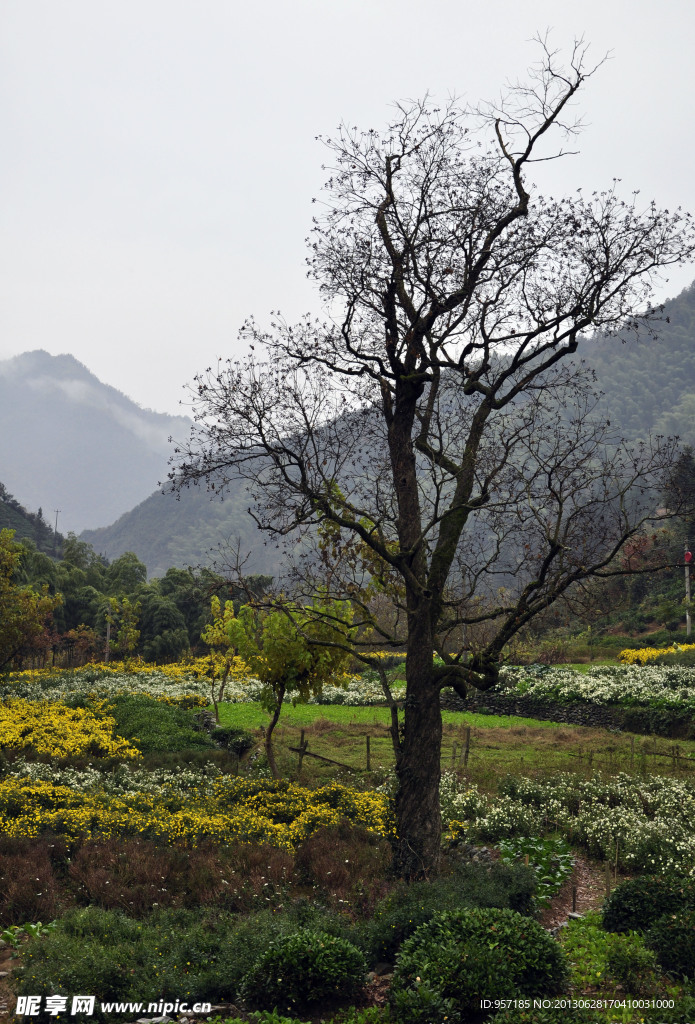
[192, 529]
[70, 442]
[26, 525]
[649, 387]
[649, 384]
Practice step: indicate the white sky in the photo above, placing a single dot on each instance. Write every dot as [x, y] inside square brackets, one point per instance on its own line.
[159, 156]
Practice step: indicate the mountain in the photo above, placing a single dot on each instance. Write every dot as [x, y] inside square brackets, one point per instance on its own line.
[70, 442]
[27, 525]
[649, 383]
[166, 531]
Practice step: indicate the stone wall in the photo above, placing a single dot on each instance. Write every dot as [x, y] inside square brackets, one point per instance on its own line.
[643, 720]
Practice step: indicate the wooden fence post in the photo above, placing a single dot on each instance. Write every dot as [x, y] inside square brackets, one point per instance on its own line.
[466, 749]
[303, 744]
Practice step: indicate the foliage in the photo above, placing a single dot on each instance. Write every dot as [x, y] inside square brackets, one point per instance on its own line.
[61, 731]
[682, 1012]
[550, 859]
[156, 725]
[24, 612]
[631, 964]
[399, 914]
[677, 659]
[200, 954]
[279, 814]
[27, 526]
[15, 935]
[236, 740]
[459, 955]
[123, 616]
[638, 903]
[304, 968]
[672, 938]
[608, 963]
[296, 649]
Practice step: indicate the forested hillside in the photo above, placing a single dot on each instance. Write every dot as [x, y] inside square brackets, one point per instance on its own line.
[649, 383]
[90, 452]
[30, 526]
[166, 531]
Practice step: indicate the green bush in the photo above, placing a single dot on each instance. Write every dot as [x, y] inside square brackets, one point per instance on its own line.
[95, 952]
[236, 740]
[680, 659]
[303, 968]
[631, 964]
[154, 725]
[460, 957]
[470, 885]
[683, 1012]
[638, 903]
[673, 940]
[200, 953]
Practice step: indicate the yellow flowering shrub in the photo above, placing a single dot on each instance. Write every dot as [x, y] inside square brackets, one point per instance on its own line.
[642, 655]
[51, 727]
[195, 668]
[279, 813]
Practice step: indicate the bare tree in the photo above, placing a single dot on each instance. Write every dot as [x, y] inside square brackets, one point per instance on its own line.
[433, 438]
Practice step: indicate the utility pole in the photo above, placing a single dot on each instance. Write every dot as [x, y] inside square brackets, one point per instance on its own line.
[55, 534]
[688, 559]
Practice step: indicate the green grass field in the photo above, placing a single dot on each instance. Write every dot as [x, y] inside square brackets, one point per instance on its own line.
[499, 745]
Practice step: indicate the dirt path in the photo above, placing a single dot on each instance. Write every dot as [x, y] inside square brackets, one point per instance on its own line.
[590, 882]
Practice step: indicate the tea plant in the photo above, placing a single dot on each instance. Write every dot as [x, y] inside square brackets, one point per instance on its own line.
[448, 962]
[303, 968]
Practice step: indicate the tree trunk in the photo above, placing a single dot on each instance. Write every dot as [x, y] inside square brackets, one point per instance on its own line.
[270, 754]
[418, 813]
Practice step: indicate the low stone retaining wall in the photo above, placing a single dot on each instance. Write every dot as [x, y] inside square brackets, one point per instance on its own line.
[645, 720]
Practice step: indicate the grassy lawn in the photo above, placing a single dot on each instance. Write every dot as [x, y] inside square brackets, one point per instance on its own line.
[499, 745]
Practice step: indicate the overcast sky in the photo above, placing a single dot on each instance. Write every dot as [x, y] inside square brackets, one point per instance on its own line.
[159, 156]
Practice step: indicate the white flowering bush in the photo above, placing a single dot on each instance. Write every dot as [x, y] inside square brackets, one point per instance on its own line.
[122, 780]
[63, 686]
[459, 802]
[657, 686]
[650, 823]
[93, 681]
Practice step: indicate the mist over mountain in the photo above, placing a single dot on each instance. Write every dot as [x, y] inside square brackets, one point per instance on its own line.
[70, 442]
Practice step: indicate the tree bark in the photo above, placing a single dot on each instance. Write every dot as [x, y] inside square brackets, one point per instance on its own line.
[270, 753]
[418, 813]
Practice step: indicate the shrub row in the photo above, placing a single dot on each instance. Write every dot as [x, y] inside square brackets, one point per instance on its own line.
[663, 907]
